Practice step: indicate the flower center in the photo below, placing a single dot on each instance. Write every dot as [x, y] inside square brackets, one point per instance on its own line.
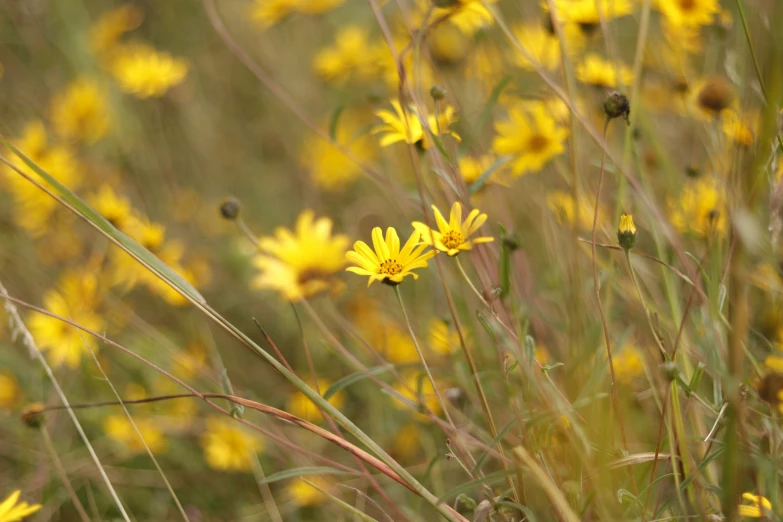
[452, 239]
[390, 267]
[537, 143]
[687, 5]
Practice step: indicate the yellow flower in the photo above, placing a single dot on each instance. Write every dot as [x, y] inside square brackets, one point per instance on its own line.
[628, 364]
[112, 24]
[700, 209]
[144, 72]
[689, 12]
[81, 111]
[759, 506]
[542, 46]
[407, 127]
[317, 7]
[303, 494]
[300, 405]
[10, 511]
[774, 363]
[227, 446]
[8, 390]
[531, 135]
[119, 428]
[588, 13]
[271, 12]
[448, 44]
[388, 264]
[594, 70]
[740, 128]
[418, 389]
[471, 168]
[63, 342]
[352, 55]
[442, 339]
[469, 16]
[452, 236]
[302, 263]
[116, 209]
[626, 232]
[562, 205]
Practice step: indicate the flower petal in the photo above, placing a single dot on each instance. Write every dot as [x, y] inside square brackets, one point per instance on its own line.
[455, 218]
[379, 244]
[393, 242]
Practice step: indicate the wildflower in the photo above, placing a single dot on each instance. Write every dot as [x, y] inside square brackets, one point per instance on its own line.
[448, 44]
[715, 95]
[407, 127]
[317, 7]
[774, 363]
[110, 27]
[689, 12]
[300, 405]
[531, 135]
[304, 495]
[144, 72]
[118, 427]
[352, 55]
[541, 46]
[65, 343]
[32, 415]
[227, 446]
[562, 205]
[9, 390]
[616, 105]
[388, 264]
[628, 364]
[271, 12]
[598, 72]
[302, 263]
[81, 111]
[442, 339]
[407, 442]
[741, 129]
[10, 511]
[329, 165]
[452, 236]
[469, 16]
[626, 232]
[115, 208]
[588, 13]
[472, 168]
[759, 506]
[700, 208]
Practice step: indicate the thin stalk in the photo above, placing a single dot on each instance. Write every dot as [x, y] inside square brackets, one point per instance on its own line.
[246, 230]
[470, 283]
[58, 466]
[264, 489]
[644, 303]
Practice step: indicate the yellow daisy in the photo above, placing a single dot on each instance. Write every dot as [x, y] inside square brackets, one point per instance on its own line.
[689, 12]
[597, 71]
[10, 511]
[388, 264]
[588, 13]
[758, 507]
[80, 111]
[407, 127]
[541, 46]
[452, 236]
[144, 72]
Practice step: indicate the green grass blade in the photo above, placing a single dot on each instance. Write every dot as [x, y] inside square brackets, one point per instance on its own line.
[355, 377]
[355, 511]
[302, 472]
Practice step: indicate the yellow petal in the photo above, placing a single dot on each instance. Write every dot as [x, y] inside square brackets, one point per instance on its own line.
[379, 244]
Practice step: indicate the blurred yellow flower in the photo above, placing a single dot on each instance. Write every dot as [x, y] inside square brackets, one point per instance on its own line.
[628, 364]
[80, 112]
[11, 511]
[442, 339]
[531, 135]
[388, 264]
[447, 44]
[65, 343]
[542, 47]
[589, 12]
[271, 12]
[227, 446]
[740, 128]
[115, 208]
[112, 24]
[452, 236]
[562, 205]
[758, 506]
[595, 70]
[300, 405]
[418, 389]
[700, 208]
[145, 72]
[486, 64]
[9, 390]
[302, 263]
[304, 495]
[774, 363]
[407, 127]
[471, 168]
[468, 16]
[407, 442]
[689, 12]
[352, 56]
[119, 428]
[316, 7]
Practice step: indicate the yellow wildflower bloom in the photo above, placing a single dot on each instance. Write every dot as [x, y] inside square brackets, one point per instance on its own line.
[469, 17]
[542, 47]
[227, 446]
[65, 343]
[119, 428]
[626, 232]
[452, 236]
[302, 263]
[351, 56]
[759, 506]
[740, 128]
[700, 209]
[115, 208]
[442, 339]
[388, 264]
[774, 363]
[562, 205]
[271, 12]
[10, 511]
[447, 44]
[9, 390]
[144, 72]
[588, 13]
[628, 364]
[112, 24]
[81, 111]
[407, 127]
[689, 12]
[304, 495]
[317, 7]
[595, 70]
[300, 405]
[471, 168]
[531, 135]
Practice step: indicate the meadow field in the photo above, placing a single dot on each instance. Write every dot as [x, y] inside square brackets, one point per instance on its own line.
[391, 260]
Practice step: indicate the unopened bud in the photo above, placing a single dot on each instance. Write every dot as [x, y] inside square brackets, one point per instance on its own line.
[626, 232]
[615, 105]
[230, 208]
[438, 92]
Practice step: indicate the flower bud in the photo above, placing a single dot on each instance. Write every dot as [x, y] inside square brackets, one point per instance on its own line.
[626, 232]
[716, 95]
[438, 92]
[32, 415]
[230, 208]
[616, 104]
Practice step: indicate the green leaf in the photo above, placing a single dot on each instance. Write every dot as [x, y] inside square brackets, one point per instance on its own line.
[505, 265]
[303, 472]
[334, 122]
[355, 377]
[482, 180]
[125, 242]
[355, 511]
[485, 324]
[529, 515]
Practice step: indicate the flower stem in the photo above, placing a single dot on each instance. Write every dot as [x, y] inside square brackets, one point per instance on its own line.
[421, 355]
[644, 303]
[58, 466]
[470, 283]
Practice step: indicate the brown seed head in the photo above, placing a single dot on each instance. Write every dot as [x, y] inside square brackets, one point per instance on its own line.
[716, 95]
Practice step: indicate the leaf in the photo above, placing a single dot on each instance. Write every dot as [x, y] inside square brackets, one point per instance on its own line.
[505, 265]
[482, 180]
[302, 472]
[470, 485]
[355, 377]
[334, 122]
[125, 242]
[485, 454]
[485, 324]
[355, 511]
[522, 509]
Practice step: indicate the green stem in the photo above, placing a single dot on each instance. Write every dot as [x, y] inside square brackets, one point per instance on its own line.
[644, 303]
[470, 283]
[58, 466]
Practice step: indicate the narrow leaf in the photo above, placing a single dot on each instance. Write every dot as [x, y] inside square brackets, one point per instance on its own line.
[360, 514]
[353, 378]
[303, 472]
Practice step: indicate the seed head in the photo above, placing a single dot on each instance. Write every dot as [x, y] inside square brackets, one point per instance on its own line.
[626, 232]
[716, 95]
[615, 105]
[438, 92]
[32, 415]
[230, 208]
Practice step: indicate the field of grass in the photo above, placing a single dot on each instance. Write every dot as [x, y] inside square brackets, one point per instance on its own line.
[391, 260]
